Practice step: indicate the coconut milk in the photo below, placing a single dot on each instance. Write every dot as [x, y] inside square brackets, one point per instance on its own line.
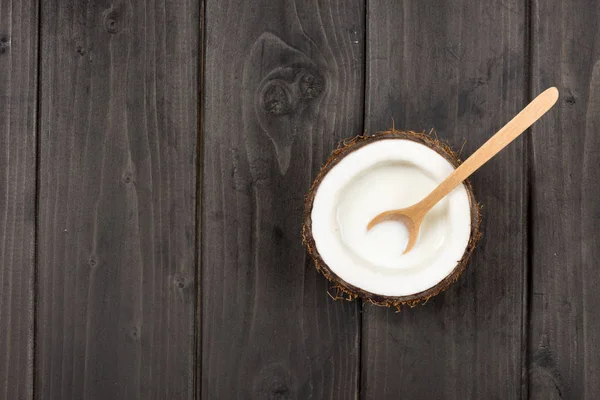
[387, 175]
[387, 186]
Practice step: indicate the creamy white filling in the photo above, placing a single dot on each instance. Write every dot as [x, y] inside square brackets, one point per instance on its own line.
[380, 176]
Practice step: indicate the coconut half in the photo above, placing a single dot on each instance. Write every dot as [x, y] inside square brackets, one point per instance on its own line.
[372, 174]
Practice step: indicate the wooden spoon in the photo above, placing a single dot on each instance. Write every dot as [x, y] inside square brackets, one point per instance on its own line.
[413, 216]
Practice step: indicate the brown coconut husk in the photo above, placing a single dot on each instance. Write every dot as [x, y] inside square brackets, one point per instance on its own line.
[344, 290]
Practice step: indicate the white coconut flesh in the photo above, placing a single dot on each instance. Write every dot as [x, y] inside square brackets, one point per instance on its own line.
[385, 175]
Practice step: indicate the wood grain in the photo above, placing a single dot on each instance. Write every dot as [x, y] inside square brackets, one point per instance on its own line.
[284, 82]
[119, 115]
[565, 301]
[457, 67]
[18, 104]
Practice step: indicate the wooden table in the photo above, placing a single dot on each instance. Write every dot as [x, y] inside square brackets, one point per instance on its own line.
[154, 157]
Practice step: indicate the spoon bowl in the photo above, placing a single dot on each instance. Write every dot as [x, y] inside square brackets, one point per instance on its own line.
[406, 216]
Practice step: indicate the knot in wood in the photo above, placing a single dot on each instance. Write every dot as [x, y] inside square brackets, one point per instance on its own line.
[276, 98]
[280, 393]
[112, 22]
[135, 332]
[127, 177]
[311, 85]
[276, 391]
[4, 44]
[274, 382]
[179, 281]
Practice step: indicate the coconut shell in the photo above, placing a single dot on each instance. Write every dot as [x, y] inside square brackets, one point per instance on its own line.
[346, 291]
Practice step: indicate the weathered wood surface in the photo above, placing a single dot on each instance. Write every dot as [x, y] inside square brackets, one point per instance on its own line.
[457, 67]
[18, 101]
[118, 137]
[565, 243]
[284, 83]
[112, 307]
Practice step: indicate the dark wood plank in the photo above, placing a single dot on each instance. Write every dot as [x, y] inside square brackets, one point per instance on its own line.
[457, 67]
[269, 328]
[18, 99]
[117, 199]
[565, 329]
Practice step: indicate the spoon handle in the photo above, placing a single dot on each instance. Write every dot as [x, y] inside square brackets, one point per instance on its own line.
[509, 132]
